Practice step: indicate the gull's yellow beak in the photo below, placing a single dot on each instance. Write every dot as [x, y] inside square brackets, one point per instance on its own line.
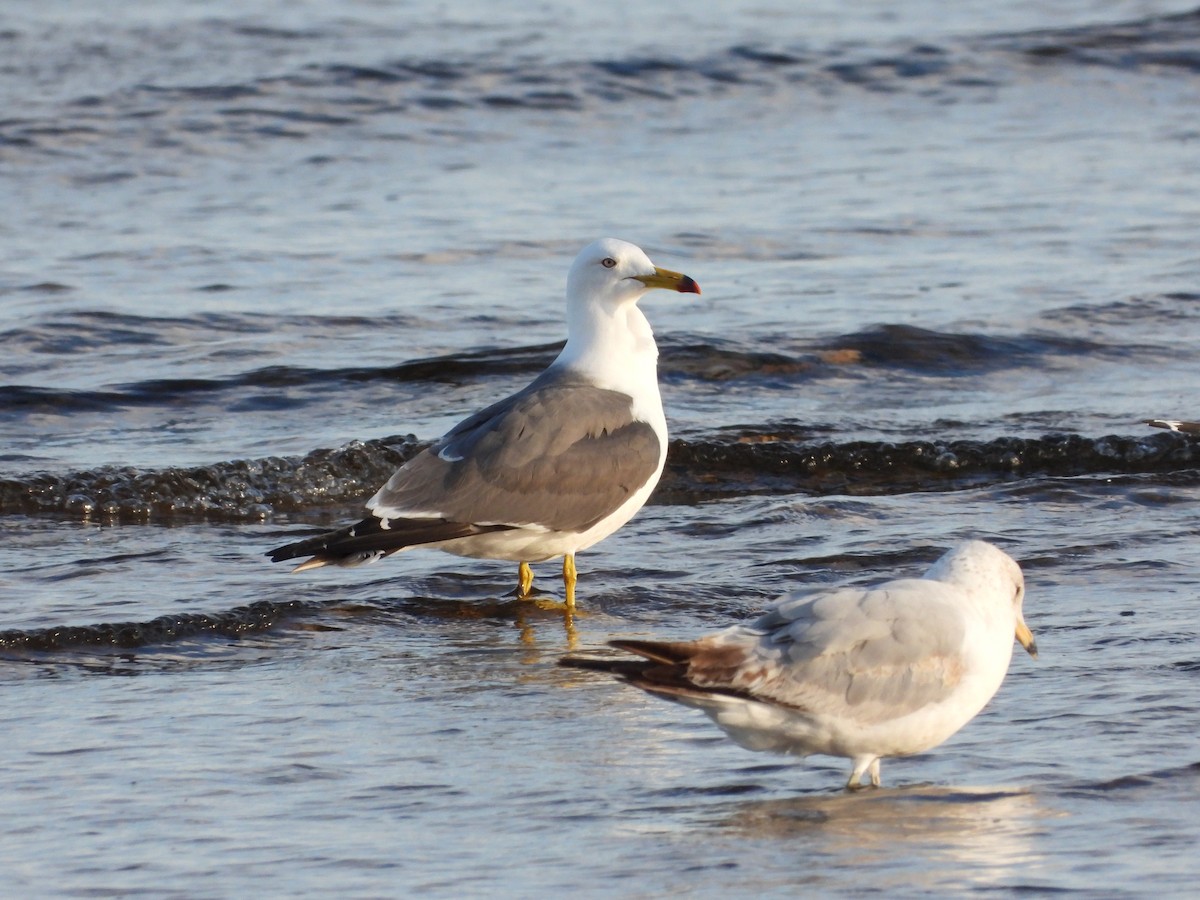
[1025, 636]
[672, 281]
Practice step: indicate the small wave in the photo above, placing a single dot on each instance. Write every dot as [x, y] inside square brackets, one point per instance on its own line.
[233, 623]
[460, 367]
[923, 350]
[706, 359]
[46, 287]
[337, 93]
[1185, 776]
[87, 330]
[235, 490]
[705, 469]
[1157, 42]
[1162, 312]
[23, 399]
[697, 470]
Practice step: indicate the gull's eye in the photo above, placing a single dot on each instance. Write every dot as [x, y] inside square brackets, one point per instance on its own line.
[608, 262]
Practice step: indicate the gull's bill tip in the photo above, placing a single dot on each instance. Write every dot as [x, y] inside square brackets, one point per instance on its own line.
[1025, 636]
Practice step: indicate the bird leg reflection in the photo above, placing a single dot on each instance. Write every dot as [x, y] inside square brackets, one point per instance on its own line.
[529, 635]
[571, 630]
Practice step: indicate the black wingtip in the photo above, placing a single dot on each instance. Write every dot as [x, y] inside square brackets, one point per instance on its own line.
[584, 662]
[310, 547]
[1175, 425]
[622, 668]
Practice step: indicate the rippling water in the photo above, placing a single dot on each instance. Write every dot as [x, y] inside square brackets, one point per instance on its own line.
[254, 260]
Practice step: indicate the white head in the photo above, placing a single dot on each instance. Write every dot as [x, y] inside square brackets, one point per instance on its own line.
[987, 572]
[611, 273]
[604, 325]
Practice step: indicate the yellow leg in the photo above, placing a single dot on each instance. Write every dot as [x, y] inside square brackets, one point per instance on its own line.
[524, 581]
[569, 579]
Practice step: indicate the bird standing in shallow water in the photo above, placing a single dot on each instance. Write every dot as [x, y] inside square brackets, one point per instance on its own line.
[861, 673]
[554, 468]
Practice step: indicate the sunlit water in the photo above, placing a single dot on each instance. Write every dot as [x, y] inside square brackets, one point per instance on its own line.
[945, 254]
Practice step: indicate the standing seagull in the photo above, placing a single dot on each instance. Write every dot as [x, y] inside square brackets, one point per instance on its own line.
[856, 672]
[551, 470]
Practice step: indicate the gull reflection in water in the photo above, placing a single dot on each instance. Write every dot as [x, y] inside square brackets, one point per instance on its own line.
[920, 836]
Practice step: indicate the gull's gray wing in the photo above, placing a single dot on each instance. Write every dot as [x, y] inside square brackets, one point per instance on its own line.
[861, 655]
[871, 655]
[561, 454]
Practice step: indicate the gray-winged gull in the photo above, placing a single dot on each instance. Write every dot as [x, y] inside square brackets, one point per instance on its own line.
[861, 673]
[554, 468]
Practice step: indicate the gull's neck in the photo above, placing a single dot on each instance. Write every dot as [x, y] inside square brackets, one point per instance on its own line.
[614, 348]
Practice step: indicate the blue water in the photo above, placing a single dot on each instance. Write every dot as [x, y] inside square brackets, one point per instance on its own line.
[235, 242]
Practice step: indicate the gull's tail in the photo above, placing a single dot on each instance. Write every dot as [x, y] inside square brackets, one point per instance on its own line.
[666, 669]
[374, 538]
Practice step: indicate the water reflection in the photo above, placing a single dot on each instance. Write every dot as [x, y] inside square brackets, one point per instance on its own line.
[527, 623]
[540, 621]
[921, 836]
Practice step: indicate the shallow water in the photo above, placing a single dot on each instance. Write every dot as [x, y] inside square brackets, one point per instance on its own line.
[254, 260]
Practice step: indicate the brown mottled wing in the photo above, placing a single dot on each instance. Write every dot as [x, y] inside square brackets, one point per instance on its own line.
[865, 655]
[872, 655]
[561, 454]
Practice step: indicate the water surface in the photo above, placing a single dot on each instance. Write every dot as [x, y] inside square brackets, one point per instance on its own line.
[254, 260]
